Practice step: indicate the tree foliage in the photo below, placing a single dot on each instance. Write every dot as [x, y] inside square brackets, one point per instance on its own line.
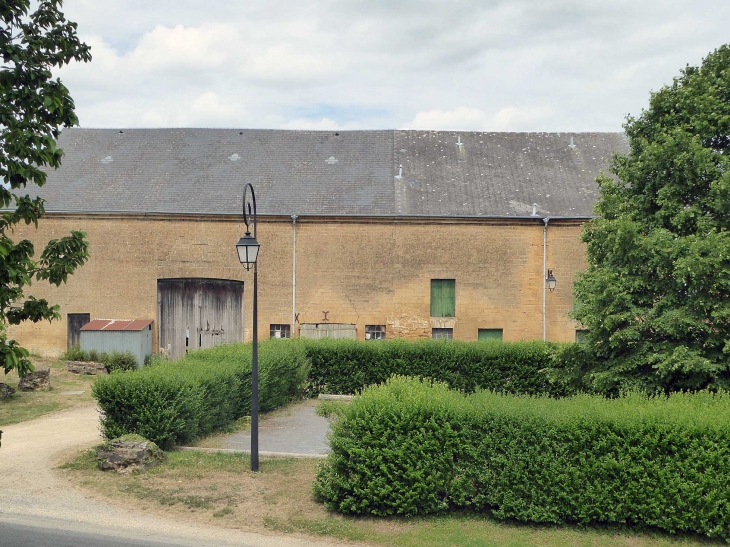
[656, 294]
[33, 108]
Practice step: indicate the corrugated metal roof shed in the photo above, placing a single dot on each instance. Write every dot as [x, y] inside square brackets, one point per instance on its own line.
[117, 325]
[110, 335]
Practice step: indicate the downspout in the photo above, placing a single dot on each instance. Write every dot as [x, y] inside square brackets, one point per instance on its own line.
[294, 277]
[544, 277]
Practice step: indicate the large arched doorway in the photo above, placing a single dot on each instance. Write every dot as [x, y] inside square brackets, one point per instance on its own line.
[198, 313]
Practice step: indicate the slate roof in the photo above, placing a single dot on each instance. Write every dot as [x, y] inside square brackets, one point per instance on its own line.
[502, 174]
[350, 173]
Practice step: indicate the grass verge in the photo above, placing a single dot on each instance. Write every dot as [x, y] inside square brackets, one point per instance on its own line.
[24, 406]
[218, 489]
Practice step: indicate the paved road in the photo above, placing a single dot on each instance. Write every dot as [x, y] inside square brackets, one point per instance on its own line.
[29, 532]
[294, 430]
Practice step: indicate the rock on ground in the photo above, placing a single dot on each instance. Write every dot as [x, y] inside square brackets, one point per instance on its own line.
[5, 391]
[86, 367]
[125, 456]
[38, 380]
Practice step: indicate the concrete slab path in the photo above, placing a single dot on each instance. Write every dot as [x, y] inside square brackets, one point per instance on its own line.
[295, 430]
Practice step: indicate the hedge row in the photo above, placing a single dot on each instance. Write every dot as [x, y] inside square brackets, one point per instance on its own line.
[408, 447]
[174, 402]
[347, 366]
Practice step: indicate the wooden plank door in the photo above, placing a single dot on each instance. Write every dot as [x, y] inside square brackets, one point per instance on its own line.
[198, 313]
[75, 321]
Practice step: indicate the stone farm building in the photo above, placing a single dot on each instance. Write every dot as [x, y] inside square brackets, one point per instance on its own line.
[364, 234]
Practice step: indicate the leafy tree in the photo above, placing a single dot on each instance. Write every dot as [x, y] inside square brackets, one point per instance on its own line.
[656, 294]
[33, 108]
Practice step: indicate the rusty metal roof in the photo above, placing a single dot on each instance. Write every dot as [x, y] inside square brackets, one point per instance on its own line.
[117, 324]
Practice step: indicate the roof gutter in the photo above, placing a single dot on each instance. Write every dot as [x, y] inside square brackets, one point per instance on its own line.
[319, 215]
[544, 279]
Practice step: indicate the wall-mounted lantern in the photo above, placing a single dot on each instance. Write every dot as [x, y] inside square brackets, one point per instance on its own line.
[551, 281]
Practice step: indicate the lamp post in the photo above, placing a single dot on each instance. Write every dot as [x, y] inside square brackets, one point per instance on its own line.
[248, 251]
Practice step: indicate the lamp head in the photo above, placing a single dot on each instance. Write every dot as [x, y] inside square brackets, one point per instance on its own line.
[248, 250]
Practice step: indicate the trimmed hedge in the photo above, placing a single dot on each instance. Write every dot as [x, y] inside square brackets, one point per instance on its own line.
[174, 402]
[408, 447]
[347, 366]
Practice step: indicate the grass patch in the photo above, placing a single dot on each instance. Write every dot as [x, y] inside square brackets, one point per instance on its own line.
[328, 408]
[24, 406]
[219, 489]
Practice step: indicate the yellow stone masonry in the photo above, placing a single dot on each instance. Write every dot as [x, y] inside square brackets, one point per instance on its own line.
[364, 272]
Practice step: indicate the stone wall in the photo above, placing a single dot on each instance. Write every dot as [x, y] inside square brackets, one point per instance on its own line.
[366, 272]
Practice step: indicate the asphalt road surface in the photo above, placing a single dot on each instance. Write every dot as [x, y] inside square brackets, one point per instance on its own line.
[29, 532]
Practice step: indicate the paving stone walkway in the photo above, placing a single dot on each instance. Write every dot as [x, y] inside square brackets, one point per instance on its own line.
[295, 430]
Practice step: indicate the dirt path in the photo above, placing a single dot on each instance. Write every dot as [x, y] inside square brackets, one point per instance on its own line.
[32, 490]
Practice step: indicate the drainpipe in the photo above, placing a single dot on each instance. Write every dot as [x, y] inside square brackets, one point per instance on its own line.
[294, 277]
[544, 277]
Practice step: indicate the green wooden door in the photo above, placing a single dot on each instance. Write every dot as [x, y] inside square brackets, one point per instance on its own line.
[490, 334]
[443, 297]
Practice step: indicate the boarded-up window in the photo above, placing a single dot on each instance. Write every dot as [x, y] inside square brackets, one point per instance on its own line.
[490, 334]
[442, 334]
[279, 331]
[374, 332]
[443, 297]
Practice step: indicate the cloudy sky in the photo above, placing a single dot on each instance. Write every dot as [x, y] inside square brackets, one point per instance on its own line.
[491, 65]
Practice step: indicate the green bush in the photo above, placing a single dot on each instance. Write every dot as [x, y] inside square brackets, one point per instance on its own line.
[408, 447]
[347, 366]
[114, 361]
[177, 401]
[75, 353]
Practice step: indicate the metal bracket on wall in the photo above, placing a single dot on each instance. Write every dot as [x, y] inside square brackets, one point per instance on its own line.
[325, 319]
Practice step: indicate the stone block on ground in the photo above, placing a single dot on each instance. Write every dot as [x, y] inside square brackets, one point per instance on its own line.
[38, 380]
[86, 367]
[5, 391]
[125, 456]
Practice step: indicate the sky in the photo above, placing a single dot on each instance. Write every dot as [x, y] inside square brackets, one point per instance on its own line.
[470, 65]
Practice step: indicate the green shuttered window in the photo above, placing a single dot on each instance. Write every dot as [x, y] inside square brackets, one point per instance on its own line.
[490, 334]
[443, 297]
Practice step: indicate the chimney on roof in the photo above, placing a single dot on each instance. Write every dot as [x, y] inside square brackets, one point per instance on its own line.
[571, 145]
[458, 142]
[534, 209]
[400, 172]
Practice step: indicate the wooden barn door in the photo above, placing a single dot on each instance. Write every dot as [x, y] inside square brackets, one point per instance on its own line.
[75, 322]
[198, 313]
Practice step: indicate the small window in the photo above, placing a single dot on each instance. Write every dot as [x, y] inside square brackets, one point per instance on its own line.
[580, 336]
[374, 332]
[490, 334]
[442, 334]
[280, 331]
[443, 297]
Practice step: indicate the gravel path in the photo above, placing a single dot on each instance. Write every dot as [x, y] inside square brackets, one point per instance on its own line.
[32, 492]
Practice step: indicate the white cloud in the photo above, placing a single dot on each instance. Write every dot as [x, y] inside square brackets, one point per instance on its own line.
[460, 118]
[509, 118]
[477, 64]
[189, 48]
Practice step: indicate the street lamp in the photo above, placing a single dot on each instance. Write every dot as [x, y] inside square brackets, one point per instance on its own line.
[551, 281]
[248, 251]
